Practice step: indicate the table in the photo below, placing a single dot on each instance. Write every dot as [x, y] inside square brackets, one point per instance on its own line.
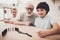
[13, 35]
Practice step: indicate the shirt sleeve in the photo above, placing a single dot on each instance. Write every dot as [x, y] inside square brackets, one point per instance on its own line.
[20, 17]
[17, 17]
[52, 20]
[35, 22]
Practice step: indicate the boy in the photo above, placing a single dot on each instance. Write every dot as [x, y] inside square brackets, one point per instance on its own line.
[44, 21]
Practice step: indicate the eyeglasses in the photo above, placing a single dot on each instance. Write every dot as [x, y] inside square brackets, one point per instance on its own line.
[31, 9]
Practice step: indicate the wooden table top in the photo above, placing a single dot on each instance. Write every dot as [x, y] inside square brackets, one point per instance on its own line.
[13, 35]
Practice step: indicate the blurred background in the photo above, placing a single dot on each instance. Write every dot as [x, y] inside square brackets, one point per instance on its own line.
[7, 5]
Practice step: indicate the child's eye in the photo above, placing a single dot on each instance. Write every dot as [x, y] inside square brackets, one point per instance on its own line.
[42, 10]
[38, 10]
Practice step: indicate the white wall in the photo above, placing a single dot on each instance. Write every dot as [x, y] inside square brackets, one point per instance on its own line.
[8, 1]
[1, 14]
[57, 12]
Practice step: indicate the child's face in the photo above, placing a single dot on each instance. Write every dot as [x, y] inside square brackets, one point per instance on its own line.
[41, 12]
[14, 11]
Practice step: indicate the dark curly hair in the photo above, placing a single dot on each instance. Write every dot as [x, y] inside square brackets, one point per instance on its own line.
[43, 5]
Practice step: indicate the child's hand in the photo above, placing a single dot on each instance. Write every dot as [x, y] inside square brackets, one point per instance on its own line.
[27, 23]
[42, 33]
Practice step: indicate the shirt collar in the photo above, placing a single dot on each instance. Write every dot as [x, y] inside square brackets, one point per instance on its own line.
[44, 17]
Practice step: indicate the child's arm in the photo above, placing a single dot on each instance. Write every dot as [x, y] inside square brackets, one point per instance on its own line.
[21, 23]
[8, 21]
[55, 29]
